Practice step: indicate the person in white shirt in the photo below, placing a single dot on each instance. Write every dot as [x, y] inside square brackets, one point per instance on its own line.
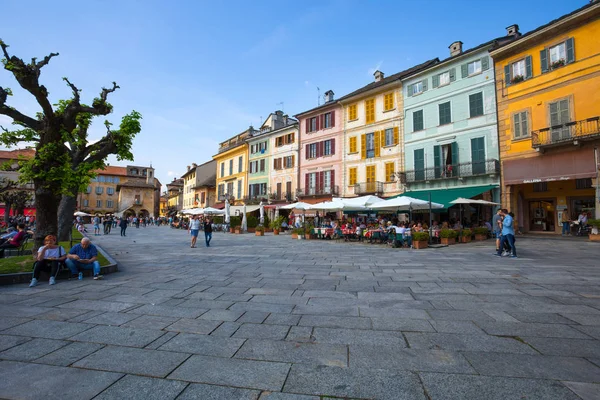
[48, 258]
[194, 229]
[582, 220]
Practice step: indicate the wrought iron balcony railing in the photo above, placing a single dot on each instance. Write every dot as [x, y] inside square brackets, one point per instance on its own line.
[281, 196]
[311, 191]
[571, 132]
[226, 196]
[368, 188]
[256, 199]
[454, 171]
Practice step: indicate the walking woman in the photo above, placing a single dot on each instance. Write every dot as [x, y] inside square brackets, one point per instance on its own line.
[48, 258]
[123, 225]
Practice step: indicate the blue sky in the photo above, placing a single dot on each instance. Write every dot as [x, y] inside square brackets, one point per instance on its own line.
[202, 71]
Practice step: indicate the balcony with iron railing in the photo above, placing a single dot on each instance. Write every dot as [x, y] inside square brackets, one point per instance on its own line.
[282, 196]
[368, 188]
[255, 199]
[324, 191]
[568, 133]
[226, 196]
[454, 171]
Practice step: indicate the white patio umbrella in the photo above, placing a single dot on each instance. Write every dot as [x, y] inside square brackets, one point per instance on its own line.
[462, 200]
[298, 205]
[210, 210]
[81, 214]
[244, 220]
[362, 200]
[227, 212]
[404, 203]
[195, 211]
[262, 213]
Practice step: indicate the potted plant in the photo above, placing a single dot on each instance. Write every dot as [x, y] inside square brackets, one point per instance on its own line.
[307, 231]
[298, 233]
[595, 233]
[448, 236]
[465, 235]
[481, 233]
[558, 63]
[276, 224]
[420, 240]
[259, 231]
[252, 223]
[235, 223]
[517, 79]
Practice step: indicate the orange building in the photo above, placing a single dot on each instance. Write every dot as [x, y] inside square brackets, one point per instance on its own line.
[548, 96]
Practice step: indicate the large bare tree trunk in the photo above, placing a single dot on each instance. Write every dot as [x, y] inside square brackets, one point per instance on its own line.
[7, 207]
[66, 209]
[46, 216]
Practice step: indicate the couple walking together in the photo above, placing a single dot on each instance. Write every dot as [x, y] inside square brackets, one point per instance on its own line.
[195, 229]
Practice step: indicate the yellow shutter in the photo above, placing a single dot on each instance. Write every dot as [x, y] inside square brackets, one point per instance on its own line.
[353, 144]
[352, 112]
[370, 111]
[389, 170]
[363, 146]
[396, 135]
[388, 101]
[377, 143]
[352, 173]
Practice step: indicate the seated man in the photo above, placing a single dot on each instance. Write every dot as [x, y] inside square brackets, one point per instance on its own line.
[84, 256]
[16, 240]
[10, 233]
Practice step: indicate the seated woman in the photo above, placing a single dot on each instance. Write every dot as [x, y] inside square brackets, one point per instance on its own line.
[16, 241]
[48, 258]
[418, 228]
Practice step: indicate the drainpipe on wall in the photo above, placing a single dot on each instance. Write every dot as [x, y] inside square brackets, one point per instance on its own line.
[597, 208]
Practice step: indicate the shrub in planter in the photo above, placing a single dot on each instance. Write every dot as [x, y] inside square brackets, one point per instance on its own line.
[465, 235]
[252, 221]
[298, 233]
[259, 230]
[481, 233]
[448, 236]
[595, 234]
[420, 240]
[235, 221]
[276, 224]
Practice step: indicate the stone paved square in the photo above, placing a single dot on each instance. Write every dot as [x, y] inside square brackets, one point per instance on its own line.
[275, 318]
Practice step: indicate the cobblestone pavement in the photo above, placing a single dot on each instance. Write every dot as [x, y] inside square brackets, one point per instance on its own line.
[275, 318]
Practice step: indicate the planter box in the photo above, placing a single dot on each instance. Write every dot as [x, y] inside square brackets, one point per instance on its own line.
[294, 236]
[307, 236]
[448, 241]
[275, 231]
[465, 239]
[259, 233]
[251, 230]
[238, 230]
[231, 230]
[422, 244]
[480, 237]
[594, 238]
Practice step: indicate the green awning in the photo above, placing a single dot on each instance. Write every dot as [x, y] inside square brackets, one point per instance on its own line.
[445, 196]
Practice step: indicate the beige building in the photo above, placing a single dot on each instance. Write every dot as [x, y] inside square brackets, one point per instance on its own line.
[199, 185]
[175, 195]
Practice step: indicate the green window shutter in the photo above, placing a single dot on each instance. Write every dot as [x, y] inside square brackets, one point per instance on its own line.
[417, 120]
[485, 63]
[507, 75]
[410, 90]
[528, 71]
[464, 70]
[475, 105]
[435, 81]
[452, 74]
[544, 60]
[424, 85]
[437, 161]
[419, 156]
[570, 50]
[478, 156]
[454, 149]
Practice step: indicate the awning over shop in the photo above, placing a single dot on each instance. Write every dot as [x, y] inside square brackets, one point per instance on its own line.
[239, 210]
[445, 196]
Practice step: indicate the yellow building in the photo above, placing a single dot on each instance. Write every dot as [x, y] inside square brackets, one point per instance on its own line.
[548, 95]
[232, 173]
[175, 196]
[199, 185]
[164, 200]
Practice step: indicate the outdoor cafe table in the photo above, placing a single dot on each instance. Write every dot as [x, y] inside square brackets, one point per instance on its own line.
[373, 234]
[324, 232]
[349, 234]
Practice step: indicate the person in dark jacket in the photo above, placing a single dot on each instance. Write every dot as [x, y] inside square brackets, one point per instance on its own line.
[207, 231]
[123, 225]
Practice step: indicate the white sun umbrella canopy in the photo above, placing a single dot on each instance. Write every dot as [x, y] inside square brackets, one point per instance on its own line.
[210, 210]
[262, 213]
[195, 211]
[244, 220]
[404, 203]
[338, 205]
[298, 205]
[462, 200]
[81, 214]
[227, 212]
[362, 200]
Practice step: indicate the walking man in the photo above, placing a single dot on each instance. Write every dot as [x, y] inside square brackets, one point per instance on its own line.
[497, 227]
[96, 225]
[207, 231]
[194, 229]
[123, 225]
[565, 223]
[508, 234]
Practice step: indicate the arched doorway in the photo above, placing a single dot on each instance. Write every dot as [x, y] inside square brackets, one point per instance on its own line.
[143, 213]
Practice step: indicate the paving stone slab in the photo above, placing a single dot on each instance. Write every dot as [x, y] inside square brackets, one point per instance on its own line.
[300, 334]
[149, 309]
[462, 342]
[38, 381]
[119, 336]
[143, 388]
[7, 341]
[286, 396]
[256, 331]
[565, 347]
[253, 317]
[592, 331]
[347, 382]
[69, 354]
[530, 329]
[197, 391]
[110, 318]
[335, 322]
[542, 318]
[393, 312]
[12, 310]
[584, 319]
[469, 387]
[534, 366]
[221, 315]
[65, 314]
[97, 305]
[133, 361]
[226, 329]
[204, 345]
[282, 319]
[150, 322]
[356, 336]
[402, 324]
[391, 357]
[200, 326]
[466, 327]
[233, 372]
[9, 322]
[33, 349]
[295, 352]
[48, 329]
[263, 307]
[587, 391]
[280, 299]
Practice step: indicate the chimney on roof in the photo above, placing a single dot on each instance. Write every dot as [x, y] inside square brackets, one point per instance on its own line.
[455, 48]
[188, 167]
[194, 165]
[378, 75]
[513, 30]
[285, 119]
[328, 96]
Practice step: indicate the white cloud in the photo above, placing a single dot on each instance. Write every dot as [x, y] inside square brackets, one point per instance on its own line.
[170, 173]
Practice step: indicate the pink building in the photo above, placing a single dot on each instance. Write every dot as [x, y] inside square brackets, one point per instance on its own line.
[321, 144]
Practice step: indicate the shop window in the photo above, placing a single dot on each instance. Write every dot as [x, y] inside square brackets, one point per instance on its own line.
[540, 187]
[585, 183]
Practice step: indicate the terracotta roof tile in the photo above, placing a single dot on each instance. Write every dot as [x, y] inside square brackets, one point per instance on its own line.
[15, 154]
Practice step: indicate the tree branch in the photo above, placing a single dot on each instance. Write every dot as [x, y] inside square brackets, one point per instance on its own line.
[44, 62]
[16, 115]
[74, 89]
